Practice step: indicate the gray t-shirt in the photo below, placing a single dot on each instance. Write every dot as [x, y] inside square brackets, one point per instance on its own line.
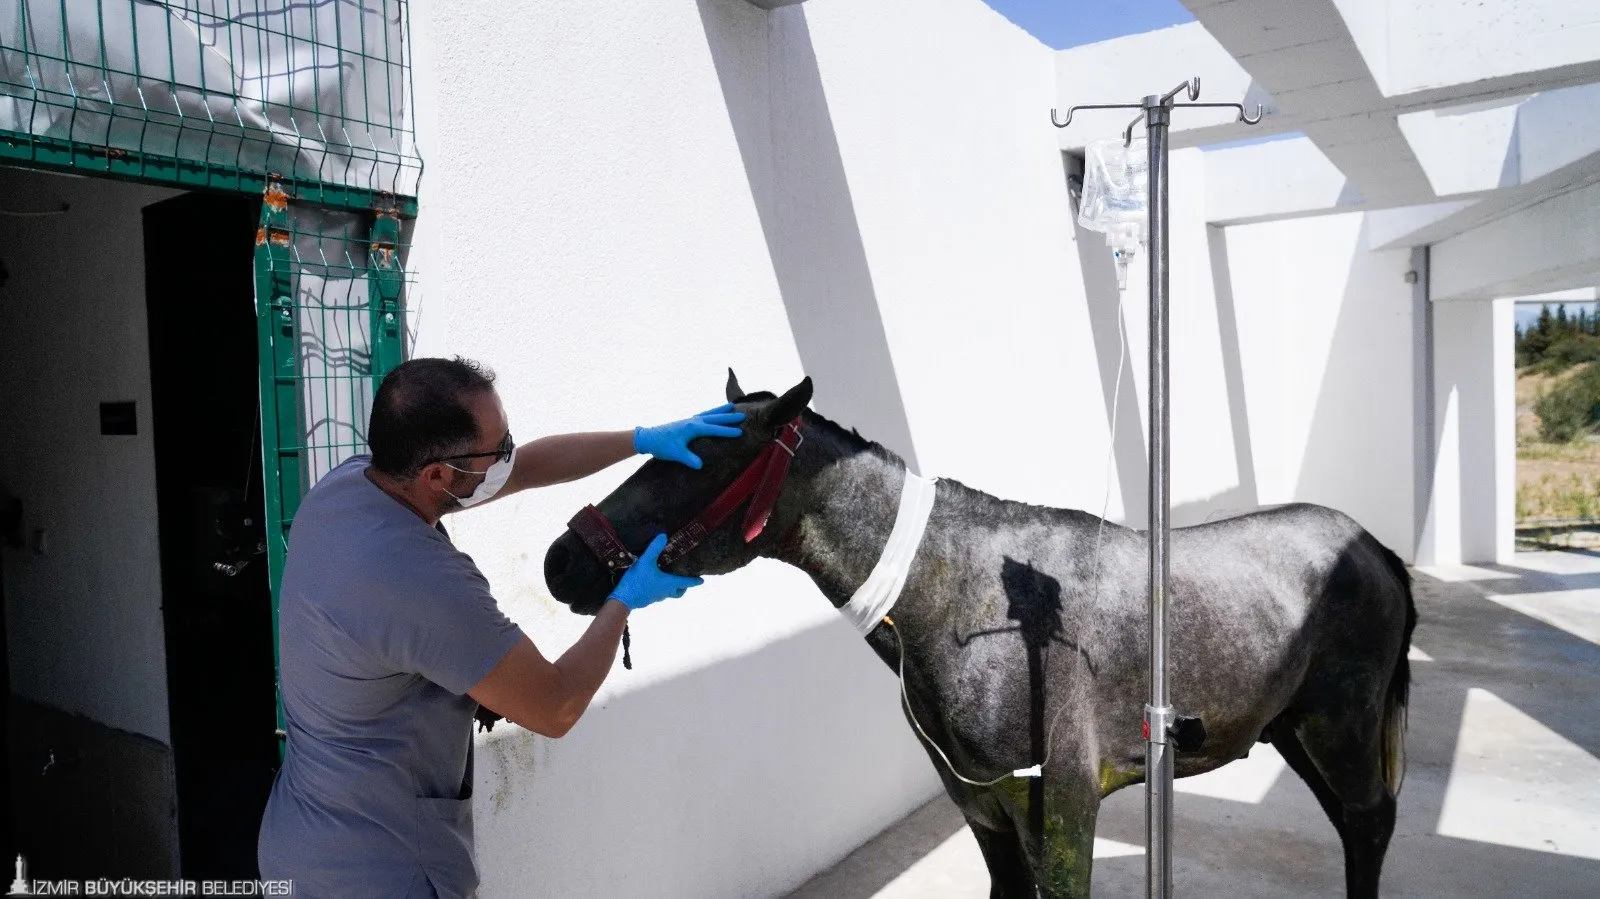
[383, 626]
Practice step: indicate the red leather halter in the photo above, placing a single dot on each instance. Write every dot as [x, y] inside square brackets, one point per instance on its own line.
[760, 483]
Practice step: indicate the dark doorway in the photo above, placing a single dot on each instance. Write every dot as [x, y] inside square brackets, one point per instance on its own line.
[216, 598]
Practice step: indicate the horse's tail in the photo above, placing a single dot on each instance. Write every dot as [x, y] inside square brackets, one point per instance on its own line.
[1394, 704]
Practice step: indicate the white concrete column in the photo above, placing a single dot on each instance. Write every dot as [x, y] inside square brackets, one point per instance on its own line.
[1473, 477]
[1505, 429]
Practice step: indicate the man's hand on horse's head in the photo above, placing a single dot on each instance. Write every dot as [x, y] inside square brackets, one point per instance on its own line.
[644, 583]
[671, 441]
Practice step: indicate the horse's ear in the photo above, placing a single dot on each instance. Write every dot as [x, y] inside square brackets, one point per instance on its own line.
[791, 404]
[735, 392]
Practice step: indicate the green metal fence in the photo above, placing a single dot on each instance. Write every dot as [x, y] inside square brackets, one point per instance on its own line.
[305, 103]
[330, 312]
[213, 94]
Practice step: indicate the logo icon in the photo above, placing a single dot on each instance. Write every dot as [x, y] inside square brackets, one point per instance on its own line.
[20, 885]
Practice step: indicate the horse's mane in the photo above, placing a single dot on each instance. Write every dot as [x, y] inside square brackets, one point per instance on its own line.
[852, 439]
[849, 437]
[853, 442]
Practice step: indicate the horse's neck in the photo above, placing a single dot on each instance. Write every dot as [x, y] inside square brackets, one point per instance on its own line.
[850, 506]
[851, 502]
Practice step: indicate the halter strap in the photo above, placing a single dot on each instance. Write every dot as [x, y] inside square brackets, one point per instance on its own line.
[601, 538]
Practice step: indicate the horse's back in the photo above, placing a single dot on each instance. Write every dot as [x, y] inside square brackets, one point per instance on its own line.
[1266, 607]
[1326, 572]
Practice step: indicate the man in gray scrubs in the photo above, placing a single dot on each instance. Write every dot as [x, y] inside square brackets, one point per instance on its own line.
[390, 638]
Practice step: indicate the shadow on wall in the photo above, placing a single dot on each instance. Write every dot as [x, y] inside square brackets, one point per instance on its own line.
[1126, 422]
[774, 764]
[1351, 461]
[797, 179]
[1247, 495]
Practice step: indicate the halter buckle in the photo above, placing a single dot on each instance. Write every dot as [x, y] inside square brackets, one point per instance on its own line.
[799, 441]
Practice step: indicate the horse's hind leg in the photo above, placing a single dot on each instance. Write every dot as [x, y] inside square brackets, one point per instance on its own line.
[1346, 754]
[1288, 745]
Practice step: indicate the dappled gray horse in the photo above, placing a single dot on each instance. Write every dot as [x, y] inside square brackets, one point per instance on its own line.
[1020, 630]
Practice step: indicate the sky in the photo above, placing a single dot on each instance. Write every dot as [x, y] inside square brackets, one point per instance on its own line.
[1072, 23]
[1061, 24]
[1528, 313]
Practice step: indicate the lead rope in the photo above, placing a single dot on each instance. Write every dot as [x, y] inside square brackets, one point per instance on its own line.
[627, 638]
[1036, 770]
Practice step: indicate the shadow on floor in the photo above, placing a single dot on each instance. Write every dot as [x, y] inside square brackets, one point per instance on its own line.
[1282, 845]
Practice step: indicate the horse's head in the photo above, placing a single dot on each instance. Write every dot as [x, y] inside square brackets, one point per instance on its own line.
[584, 563]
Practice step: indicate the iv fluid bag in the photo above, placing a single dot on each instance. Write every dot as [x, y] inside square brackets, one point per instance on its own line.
[1116, 191]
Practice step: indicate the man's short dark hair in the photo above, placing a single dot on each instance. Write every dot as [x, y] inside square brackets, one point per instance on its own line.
[421, 415]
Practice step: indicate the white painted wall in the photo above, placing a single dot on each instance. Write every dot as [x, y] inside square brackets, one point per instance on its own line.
[1326, 339]
[870, 193]
[83, 620]
[637, 243]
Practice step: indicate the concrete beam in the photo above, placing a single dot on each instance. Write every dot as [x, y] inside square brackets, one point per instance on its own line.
[1331, 69]
[1574, 295]
[1485, 146]
[1282, 179]
[1389, 229]
[1304, 53]
[1551, 245]
[1491, 206]
[1361, 79]
[1511, 154]
[1372, 151]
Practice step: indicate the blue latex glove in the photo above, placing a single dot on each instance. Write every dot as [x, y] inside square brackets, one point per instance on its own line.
[644, 583]
[671, 441]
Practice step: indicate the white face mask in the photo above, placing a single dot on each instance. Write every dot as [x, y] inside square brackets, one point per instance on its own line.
[493, 479]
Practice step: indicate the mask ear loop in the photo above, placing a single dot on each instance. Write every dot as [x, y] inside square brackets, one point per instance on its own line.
[484, 474]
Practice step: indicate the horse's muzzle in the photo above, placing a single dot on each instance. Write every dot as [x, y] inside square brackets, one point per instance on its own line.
[574, 577]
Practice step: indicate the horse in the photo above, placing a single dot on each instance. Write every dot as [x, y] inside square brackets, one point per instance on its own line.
[1019, 631]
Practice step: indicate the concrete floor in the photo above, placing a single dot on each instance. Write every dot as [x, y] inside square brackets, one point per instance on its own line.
[1501, 798]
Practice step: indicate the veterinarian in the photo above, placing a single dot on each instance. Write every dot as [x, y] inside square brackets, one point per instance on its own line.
[390, 638]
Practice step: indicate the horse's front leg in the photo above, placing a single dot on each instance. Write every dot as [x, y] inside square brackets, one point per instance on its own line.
[1067, 858]
[1059, 841]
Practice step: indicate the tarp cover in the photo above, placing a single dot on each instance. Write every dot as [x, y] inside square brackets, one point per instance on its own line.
[312, 89]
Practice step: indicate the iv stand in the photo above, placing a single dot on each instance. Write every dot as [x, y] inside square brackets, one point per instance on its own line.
[1161, 724]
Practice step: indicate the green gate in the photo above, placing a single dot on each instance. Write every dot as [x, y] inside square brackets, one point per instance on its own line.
[330, 323]
[305, 105]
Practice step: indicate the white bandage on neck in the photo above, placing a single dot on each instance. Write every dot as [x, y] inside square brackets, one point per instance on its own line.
[877, 596]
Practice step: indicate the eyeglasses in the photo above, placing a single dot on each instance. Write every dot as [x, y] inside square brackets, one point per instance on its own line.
[500, 454]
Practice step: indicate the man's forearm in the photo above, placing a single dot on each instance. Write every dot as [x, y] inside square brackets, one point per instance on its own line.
[567, 457]
[586, 663]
